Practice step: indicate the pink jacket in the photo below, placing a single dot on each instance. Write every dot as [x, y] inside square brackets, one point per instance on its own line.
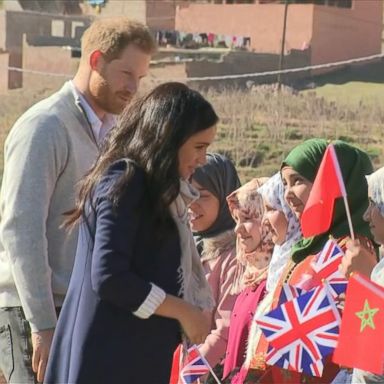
[220, 270]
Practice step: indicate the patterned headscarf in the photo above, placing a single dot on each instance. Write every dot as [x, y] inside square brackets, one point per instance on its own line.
[247, 200]
[376, 188]
[273, 193]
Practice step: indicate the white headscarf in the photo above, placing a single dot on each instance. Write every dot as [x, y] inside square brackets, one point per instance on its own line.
[194, 286]
[376, 188]
[273, 193]
[376, 192]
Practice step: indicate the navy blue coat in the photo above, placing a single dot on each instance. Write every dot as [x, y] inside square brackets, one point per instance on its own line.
[98, 339]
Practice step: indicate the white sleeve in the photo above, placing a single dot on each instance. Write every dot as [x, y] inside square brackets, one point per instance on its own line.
[154, 299]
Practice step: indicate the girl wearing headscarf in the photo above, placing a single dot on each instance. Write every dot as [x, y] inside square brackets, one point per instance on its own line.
[213, 229]
[355, 255]
[285, 227]
[285, 230]
[254, 251]
[298, 171]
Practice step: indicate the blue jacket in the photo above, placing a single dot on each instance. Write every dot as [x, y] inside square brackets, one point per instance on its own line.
[98, 339]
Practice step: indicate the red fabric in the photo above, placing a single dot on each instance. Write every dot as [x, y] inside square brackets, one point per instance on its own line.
[277, 375]
[175, 371]
[241, 318]
[328, 186]
[361, 341]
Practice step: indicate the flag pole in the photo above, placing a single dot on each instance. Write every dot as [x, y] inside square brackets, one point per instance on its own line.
[343, 191]
[209, 367]
[349, 217]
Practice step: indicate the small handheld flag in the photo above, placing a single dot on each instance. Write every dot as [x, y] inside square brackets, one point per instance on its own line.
[327, 187]
[302, 331]
[195, 366]
[326, 267]
[362, 326]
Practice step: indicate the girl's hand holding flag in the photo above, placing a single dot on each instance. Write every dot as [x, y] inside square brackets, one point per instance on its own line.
[358, 257]
[189, 366]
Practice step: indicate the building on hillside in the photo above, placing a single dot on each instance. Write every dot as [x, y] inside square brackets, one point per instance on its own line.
[35, 23]
[317, 31]
[330, 30]
[333, 30]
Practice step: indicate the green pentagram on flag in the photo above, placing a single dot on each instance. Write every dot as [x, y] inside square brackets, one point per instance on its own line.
[366, 316]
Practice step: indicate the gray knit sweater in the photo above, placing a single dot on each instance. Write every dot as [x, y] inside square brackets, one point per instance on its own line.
[47, 152]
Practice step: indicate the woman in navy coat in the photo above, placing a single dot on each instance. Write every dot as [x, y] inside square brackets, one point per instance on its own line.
[136, 282]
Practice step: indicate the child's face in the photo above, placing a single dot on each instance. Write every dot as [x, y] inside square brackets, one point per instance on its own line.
[277, 223]
[204, 211]
[248, 230]
[297, 189]
[376, 221]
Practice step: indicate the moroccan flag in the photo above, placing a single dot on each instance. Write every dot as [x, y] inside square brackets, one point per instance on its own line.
[328, 186]
[361, 340]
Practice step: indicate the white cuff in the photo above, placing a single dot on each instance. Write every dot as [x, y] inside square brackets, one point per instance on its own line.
[155, 297]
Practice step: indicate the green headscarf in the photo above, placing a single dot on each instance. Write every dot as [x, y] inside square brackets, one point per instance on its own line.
[354, 164]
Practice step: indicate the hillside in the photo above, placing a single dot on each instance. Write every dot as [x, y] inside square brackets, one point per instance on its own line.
[259, 126]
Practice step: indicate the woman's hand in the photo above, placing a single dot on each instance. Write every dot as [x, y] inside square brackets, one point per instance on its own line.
[357, 258]
[196, 324]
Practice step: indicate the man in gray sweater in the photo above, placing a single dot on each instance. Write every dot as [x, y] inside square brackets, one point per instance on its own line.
[49, 149]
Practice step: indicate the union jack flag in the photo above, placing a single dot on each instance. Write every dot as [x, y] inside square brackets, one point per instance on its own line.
[289, 292]
[302, 331]
[195, 366]
[325, 266]
[282, 360]
[337, 286]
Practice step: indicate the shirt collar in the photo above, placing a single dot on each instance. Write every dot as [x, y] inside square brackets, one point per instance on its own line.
[99, 127]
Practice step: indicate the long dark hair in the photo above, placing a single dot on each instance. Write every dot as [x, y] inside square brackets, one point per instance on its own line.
[150, 132]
